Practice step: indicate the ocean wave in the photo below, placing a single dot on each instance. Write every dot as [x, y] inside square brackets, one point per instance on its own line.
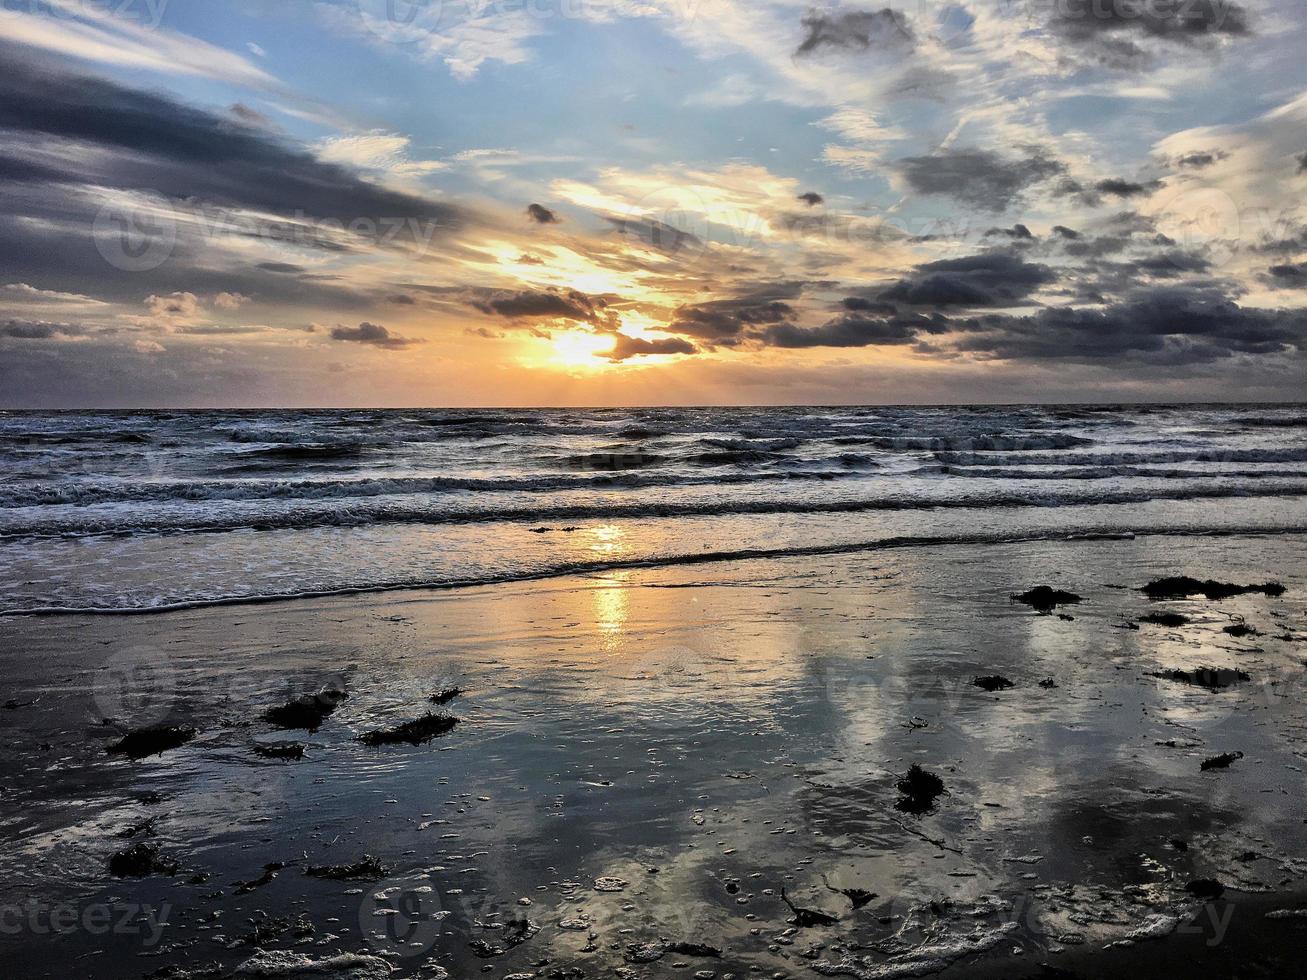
[354, 513]
[1122, 457]
[1105, 473]
[961, 442]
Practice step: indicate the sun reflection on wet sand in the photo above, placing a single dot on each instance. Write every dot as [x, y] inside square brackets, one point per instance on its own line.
[611, 605]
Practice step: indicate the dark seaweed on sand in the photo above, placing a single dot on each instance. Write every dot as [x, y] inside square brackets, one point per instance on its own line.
[140, 860]
[1241, 629]
[142, 742]
[414, 732]
[1182, 587]
[279, 750]
[919, 789]
[1221, 761]
[1164, 619]
[366, 868]
[308, 711]
[993, 682]
[1205, 889]
[807, 918]
[1045, 598]
[1210, 677]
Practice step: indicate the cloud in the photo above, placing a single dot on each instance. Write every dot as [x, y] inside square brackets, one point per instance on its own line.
[1200, 159]
[988, 279]
[625, 347]
[1118, 187]
[811, 198]
[569, 304]
[147, 140]
[1068, 233]
[37, 330]
[1167, 325]
[1288, 276]
[1017, 232]
[372, 334]
[1302, 163]
[1127, 34]
[723, 322]
[107, 34]
[541, 214]
[850, 330]
[174, 309]
[981, 178]
[855, 30]
[230, 301]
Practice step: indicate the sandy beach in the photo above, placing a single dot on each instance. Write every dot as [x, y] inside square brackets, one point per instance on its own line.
[677, 771]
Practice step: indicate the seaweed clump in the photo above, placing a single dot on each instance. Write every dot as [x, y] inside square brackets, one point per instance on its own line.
[1183, 587]
[1045, 598]
[142, 742]
[1222, 761]
[414, 732]
[919, 788]
[366, 868]
[1213, 678]
[140, 860]
[308, 711]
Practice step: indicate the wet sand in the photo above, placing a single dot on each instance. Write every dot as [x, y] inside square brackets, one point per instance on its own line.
[644, 759]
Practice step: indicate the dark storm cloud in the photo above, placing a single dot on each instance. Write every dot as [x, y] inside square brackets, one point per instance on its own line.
[1288, 276]
[868, 304]
[37, 329]
[1302, 164]
[625, 347]
[1017, 231]
[541, 214]
[1064, 232]
[981, 178]
[721, 321]
[1119, 187]
[1294, 240]
[811, 198]
[988, 279]
[570, 304]
[1166, 325]
[1109, 31]
[1170, 325]
[1168, 264]
[372, 334]
[849, 330]
[82, 137]
[855, 30]
[149, 141]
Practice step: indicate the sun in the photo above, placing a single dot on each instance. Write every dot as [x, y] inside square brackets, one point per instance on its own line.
[575, 348]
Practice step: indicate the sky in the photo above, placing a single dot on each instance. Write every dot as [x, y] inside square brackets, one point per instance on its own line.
[622, 202]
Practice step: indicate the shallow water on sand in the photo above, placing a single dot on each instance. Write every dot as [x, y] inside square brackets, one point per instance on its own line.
[705, 735]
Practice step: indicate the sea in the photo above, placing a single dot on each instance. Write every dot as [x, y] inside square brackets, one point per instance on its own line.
[143, 511]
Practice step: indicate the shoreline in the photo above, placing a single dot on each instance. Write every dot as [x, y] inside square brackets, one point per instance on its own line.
[597, 568]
